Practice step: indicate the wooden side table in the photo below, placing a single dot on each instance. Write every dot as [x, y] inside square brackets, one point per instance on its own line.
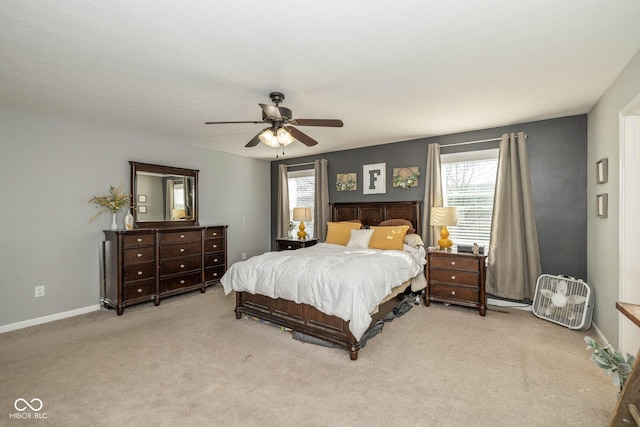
[456, 278]
[286, 244]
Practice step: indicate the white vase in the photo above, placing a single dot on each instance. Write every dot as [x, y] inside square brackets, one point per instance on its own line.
[114, 225]
[128, 221]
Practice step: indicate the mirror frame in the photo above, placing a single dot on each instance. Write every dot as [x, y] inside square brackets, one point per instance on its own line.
[170, 170]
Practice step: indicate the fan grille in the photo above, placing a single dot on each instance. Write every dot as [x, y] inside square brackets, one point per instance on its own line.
[563, 300]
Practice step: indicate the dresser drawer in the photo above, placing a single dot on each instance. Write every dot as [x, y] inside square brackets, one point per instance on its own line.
[213, 245]
[214, 232]
[453, 276]
[460, 293]
[139, 255]
[140, 289]
[216, 258]
[180, 265]
[138, 239]
[140, 272]
[213, 274]
[168, 237]
[183, 281]
[457, 263]
[185, 249]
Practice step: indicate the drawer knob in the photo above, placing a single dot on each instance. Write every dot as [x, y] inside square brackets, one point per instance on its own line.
[215, 260]
[181, 249]
[453, 263]
[139, 273]
[139, 290]
[182, 282]
[215, 274]
[289, 247]
[215, 246]
[139, 239]
[181, 265]
[453, 292]
[453, 277]
[182, 236]
[139, 255]
[215, 234]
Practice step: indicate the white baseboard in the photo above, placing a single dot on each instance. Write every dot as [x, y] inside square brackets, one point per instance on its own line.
[47, 319]
[510, 304]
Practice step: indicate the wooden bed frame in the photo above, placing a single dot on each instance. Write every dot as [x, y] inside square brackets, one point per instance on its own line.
[307, 319]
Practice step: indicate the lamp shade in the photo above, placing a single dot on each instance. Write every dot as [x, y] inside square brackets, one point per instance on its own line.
[444, 216]
[302, 214]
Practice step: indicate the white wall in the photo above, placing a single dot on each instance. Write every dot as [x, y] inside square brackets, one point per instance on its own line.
[51, 167]
[603, 234]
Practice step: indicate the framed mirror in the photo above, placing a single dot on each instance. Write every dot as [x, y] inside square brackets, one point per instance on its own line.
[163, 196]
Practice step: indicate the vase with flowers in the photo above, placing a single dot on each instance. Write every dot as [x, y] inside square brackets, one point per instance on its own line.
[115, 200]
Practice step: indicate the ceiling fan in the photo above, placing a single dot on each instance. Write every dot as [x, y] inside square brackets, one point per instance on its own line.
[280, 131]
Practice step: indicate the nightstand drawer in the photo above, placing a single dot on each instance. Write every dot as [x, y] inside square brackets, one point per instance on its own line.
[460, 293]
[458, 263]
[453, 276]
[289, 245]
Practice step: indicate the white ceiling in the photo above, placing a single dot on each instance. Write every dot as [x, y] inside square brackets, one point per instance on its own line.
[391, 71]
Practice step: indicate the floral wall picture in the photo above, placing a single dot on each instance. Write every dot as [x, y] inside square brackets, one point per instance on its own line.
[406, 177]
[374, 177]
[347, 181]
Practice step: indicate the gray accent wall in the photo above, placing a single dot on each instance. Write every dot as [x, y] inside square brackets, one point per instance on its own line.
[557, 159]
[51, 167]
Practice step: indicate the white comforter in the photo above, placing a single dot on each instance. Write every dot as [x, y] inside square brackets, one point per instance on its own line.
[340, 281]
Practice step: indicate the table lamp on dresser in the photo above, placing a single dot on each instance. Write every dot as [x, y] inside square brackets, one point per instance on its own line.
[444, 216]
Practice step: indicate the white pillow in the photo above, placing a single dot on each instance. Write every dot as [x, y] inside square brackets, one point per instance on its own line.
[359, 238]
[413, 240]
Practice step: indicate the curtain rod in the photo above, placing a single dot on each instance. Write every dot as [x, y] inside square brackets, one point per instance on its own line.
[475, 142]
[300, 164]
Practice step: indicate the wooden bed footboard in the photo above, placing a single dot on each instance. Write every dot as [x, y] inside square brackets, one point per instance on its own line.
[306, 319]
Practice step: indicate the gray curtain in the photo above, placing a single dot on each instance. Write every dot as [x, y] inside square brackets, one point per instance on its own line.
[282, 208]
[514, 256]
[321, 209]
[432, 195]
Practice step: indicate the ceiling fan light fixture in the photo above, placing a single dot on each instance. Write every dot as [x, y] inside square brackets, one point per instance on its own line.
[284, 137]
[268, 138]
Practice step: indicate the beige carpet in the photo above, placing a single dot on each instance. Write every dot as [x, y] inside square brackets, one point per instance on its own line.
[190, 362]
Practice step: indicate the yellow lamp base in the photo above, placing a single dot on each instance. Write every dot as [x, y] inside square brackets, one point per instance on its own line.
[445, 243]
[301, 233]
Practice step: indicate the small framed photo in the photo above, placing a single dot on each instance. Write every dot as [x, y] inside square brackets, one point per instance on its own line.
[142, 198]
[601, 205]
[602, 171]
[142, 209]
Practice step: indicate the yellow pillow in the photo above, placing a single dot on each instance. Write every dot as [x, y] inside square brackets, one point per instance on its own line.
[339, 232]
[388, 237]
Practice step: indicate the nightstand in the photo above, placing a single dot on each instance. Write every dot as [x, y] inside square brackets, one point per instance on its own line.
[456, 278]
[286, 244]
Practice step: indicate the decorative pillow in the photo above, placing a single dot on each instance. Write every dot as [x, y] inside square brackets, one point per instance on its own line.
[359, 239]
[413, 240]
[339, 232]
[388, 237]
[399, 221]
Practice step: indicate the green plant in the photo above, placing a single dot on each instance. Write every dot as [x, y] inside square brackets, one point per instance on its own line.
[113, 202]
[345, 185]
[612, 361]
[406, 182]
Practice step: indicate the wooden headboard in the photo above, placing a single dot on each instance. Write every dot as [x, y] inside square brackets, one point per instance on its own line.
[373, 213]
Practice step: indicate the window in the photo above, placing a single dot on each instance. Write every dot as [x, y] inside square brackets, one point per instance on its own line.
[468, 183]
[302, 194]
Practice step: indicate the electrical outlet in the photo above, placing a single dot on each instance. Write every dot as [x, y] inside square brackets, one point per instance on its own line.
[244, 255]
[39, 291]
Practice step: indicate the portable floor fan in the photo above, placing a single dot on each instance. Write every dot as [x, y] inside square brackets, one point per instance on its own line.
[563, 300]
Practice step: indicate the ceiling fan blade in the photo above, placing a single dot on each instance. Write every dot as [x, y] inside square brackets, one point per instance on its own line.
[318, 122]
[227, 123]
[301, 136]
[271, 112]
[255, 141]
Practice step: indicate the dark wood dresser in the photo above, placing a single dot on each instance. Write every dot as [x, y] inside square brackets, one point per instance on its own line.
[286, 244]
[149, 264]
[456, 278]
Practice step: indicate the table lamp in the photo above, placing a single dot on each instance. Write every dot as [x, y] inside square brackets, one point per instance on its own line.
[302, 214]
[444, 216]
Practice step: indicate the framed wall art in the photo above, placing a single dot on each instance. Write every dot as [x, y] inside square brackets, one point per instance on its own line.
[142, 198]
[347, 181]
[405, 177]
[373, 178]
[142, 209]
[602, 171]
